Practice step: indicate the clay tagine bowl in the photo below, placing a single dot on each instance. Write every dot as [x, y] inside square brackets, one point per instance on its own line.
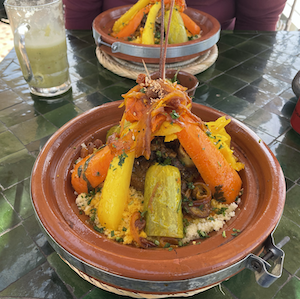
[103, 23]
[128, 270]
[184, 78]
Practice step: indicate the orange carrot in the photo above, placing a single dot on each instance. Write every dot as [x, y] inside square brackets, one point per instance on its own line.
[189, 24]
[157, 121]
[133, 24]
[211, 164]
[91, 171]
[135, 108]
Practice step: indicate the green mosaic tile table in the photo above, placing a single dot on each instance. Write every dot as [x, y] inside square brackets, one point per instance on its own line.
[251, 81]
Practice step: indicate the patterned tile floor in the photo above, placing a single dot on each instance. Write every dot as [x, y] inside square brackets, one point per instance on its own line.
[6, 40]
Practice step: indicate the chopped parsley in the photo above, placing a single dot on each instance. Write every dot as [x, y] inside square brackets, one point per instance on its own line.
[208, 133]
[202, 234]
[99, 229]
[122, 158]
[143, 213]
[219, 194]
[174, 114]
[235, 232]
[220, 211]
[157, 34]
[190, 185]
[89, 201]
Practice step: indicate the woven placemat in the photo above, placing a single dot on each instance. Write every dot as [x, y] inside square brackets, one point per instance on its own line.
[133, 294]
[131, 70]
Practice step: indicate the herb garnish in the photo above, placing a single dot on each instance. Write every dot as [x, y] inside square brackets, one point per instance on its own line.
[190, 185]
[202, 234]
[122, 158]
[219, 194]
[174, 114]
[220, 211]
[175, 78]
[99, 229]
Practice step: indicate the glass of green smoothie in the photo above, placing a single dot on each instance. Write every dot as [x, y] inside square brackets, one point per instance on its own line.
[40, 43]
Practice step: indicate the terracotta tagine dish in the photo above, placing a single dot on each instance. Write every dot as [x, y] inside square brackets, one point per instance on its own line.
[186, 79]
[150, 53]
[155, 273]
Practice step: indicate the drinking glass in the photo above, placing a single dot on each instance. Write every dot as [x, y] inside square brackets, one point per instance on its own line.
[40, 43]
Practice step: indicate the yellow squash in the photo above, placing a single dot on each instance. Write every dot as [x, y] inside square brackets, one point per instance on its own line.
[115, 190]
[221, 139]
[168, 130]
[149, 29]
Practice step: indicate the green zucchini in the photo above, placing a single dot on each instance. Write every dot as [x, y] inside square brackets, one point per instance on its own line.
[162, 202]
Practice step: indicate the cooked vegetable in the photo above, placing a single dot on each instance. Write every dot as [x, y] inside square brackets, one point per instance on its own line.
[216, 172]
[177, 30]
[132, 27]
[149, 29]
[115, 190]
[184, 166]
[137, 224]
[184, 158]
[91, 171]
[113, 129]
[133, 24]
[221, 139]
[162, 202]
[168, 130]
[126, 17]
[190, 25]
